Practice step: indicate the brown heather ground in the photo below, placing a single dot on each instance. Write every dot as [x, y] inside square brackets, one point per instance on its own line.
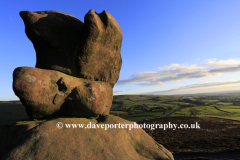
[214, 135]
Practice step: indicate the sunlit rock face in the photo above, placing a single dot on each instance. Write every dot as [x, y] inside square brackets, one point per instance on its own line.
[86, 50]
[49, 93]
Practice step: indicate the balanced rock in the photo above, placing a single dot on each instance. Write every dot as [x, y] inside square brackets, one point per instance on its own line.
[88, 50]
[40, 140]
[55, 37]
[49, 93]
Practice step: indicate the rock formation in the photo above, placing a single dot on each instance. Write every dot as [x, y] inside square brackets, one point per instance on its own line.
[77, 67]
[86, 50]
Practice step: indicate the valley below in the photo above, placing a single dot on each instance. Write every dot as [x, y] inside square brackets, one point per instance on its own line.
[217, 116]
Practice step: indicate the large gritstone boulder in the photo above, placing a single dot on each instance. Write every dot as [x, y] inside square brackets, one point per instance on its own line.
[86, 50]
[55, 37]
[48, 93]
[64, 138]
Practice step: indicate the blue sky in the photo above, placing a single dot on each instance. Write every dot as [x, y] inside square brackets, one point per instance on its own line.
[169, 46]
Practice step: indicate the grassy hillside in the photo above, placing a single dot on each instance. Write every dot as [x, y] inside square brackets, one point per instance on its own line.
[217, 111]
[141, 107]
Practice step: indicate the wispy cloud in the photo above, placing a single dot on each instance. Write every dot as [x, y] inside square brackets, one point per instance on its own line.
[119, 91]
[177, 72]
[209, 60]
[199, 85]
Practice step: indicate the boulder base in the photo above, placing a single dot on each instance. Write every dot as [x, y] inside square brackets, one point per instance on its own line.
[43, 140]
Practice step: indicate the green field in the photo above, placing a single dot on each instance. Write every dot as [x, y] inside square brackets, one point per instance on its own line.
[179, 103]
[143, 116]
[116, 112]
[226, 112]
[224, 103]
[115, 106]
[210, 100]
[205, 111]
[208, 110]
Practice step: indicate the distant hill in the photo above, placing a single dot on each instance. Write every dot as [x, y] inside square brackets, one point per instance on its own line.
[222, 93]
[13, 101]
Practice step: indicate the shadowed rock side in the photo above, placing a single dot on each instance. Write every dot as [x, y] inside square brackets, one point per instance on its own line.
[63, 43]
[48, 93]
[55, 37]
[43, 140]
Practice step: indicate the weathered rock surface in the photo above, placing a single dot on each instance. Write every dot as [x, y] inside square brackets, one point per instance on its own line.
[99, 51]
[43, 140]
[48, 93]
[55, 36]
[63, 43]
